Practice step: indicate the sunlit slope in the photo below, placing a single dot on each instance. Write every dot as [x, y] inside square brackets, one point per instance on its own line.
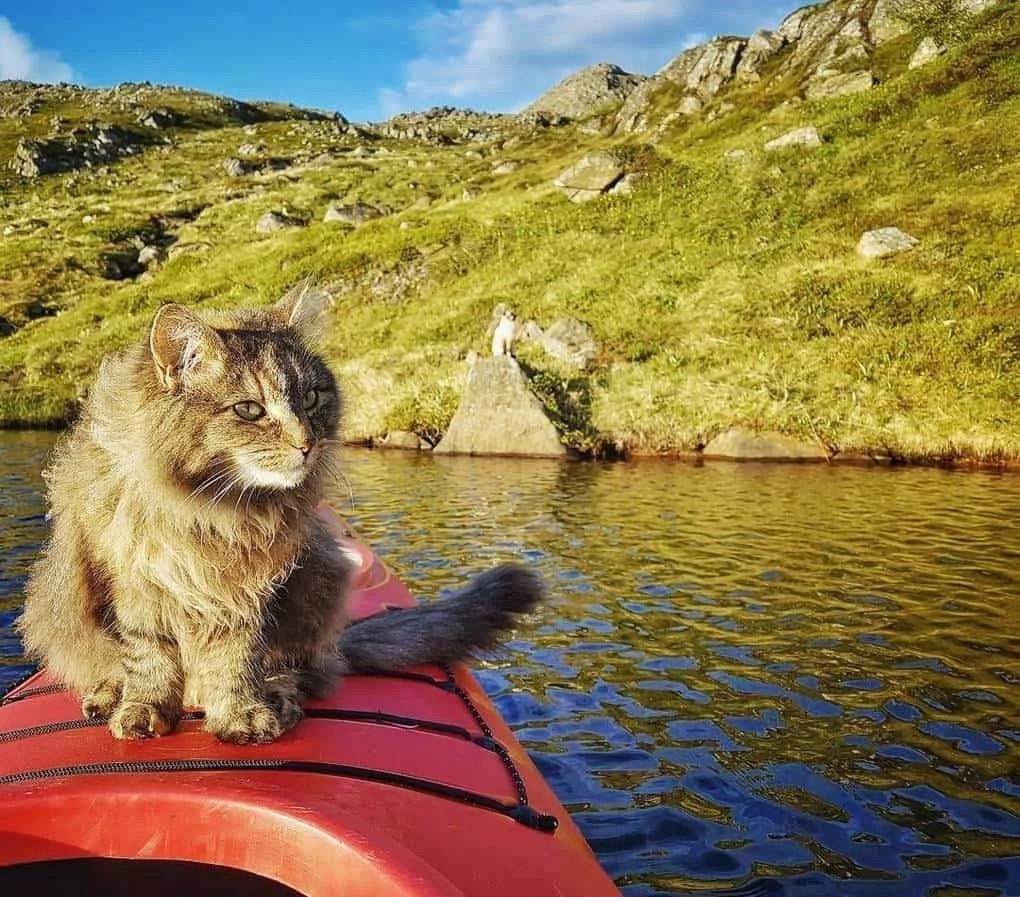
[724, 291]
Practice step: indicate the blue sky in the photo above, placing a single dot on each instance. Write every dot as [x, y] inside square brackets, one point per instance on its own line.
[367, 60]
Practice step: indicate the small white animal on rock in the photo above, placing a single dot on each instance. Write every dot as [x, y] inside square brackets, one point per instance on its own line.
[503, 337]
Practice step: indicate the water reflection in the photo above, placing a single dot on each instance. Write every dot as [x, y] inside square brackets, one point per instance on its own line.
[750, 680]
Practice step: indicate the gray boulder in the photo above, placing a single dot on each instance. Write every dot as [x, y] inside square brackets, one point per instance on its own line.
[806, 137]
[236, 167]
[150, 255]
[508, 167]
[885, 241]
[271, 222]
[499, 415]
[355, 214]
[839, 84]
[927, 51]
[744, 445]
[401, 439]
[586, 92]
[570, 340]
[591, 177]
[625, 186]
[690, 105]
[158, 119]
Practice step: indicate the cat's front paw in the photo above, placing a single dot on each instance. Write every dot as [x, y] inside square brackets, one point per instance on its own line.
[100, 701]
[284, 699]
[134, 720]
[254, 724]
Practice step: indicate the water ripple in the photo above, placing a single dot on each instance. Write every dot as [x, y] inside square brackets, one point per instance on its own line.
[750, 680]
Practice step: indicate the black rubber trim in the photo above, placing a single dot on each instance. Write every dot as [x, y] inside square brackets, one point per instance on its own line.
[392, 719]
[50, 689]
[358, 716]
[69, 725]
[524, 815]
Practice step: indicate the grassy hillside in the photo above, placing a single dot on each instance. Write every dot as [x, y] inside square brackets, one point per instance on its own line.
[722, 291]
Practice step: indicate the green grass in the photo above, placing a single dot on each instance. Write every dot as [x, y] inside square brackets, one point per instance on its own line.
[721, 292]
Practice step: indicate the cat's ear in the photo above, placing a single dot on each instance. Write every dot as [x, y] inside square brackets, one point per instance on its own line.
[183, 347]
[304, 309]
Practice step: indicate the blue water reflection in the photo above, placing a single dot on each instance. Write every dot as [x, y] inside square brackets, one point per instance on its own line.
[749, 680]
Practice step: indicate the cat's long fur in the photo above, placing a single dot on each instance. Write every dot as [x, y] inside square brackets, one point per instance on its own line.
[187, 566]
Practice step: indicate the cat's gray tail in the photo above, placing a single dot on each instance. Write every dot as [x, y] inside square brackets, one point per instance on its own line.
[443, 631]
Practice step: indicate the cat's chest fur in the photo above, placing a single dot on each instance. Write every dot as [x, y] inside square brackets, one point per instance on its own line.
[179, 575]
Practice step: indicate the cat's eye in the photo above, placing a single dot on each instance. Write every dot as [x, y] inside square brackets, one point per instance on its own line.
[311, 399]
[249, 410]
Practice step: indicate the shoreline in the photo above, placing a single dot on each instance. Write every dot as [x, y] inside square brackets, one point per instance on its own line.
[876, 458]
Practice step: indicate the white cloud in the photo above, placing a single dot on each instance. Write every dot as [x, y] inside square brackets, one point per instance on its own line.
[501, 54]
[19, 60]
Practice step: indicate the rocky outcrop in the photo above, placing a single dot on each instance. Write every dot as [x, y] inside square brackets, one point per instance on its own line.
[699, 72]
[760, 48]
[499, 415]
[824, 46]
[85, 148]
[586, 92]
[158, 119]
[885, 241]
[445, 125]
[885, 23]
[591, 177]
[739, 444]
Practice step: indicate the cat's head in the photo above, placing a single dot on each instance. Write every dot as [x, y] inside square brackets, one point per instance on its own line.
[247, 403]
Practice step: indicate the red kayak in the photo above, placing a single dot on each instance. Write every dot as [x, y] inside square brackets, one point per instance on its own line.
[404, 784]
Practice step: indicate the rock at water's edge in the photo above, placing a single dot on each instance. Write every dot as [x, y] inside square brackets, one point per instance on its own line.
[401, 439]
[740, 444]
[499, 415]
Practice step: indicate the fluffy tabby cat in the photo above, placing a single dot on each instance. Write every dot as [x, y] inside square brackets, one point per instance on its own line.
[187, 566]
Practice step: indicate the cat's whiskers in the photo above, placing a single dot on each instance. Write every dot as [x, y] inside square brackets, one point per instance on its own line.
[330, 466]
[230, 485]
[205, 484]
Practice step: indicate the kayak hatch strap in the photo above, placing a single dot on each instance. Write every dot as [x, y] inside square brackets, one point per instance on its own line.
[522, 814]
[358, 716]
[392, 719]
[50, 689]
[69, 725]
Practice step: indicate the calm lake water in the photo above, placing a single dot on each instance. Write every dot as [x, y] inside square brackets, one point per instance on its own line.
[749, 680]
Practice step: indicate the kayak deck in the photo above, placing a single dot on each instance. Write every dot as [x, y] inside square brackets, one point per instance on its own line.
[403, 784]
